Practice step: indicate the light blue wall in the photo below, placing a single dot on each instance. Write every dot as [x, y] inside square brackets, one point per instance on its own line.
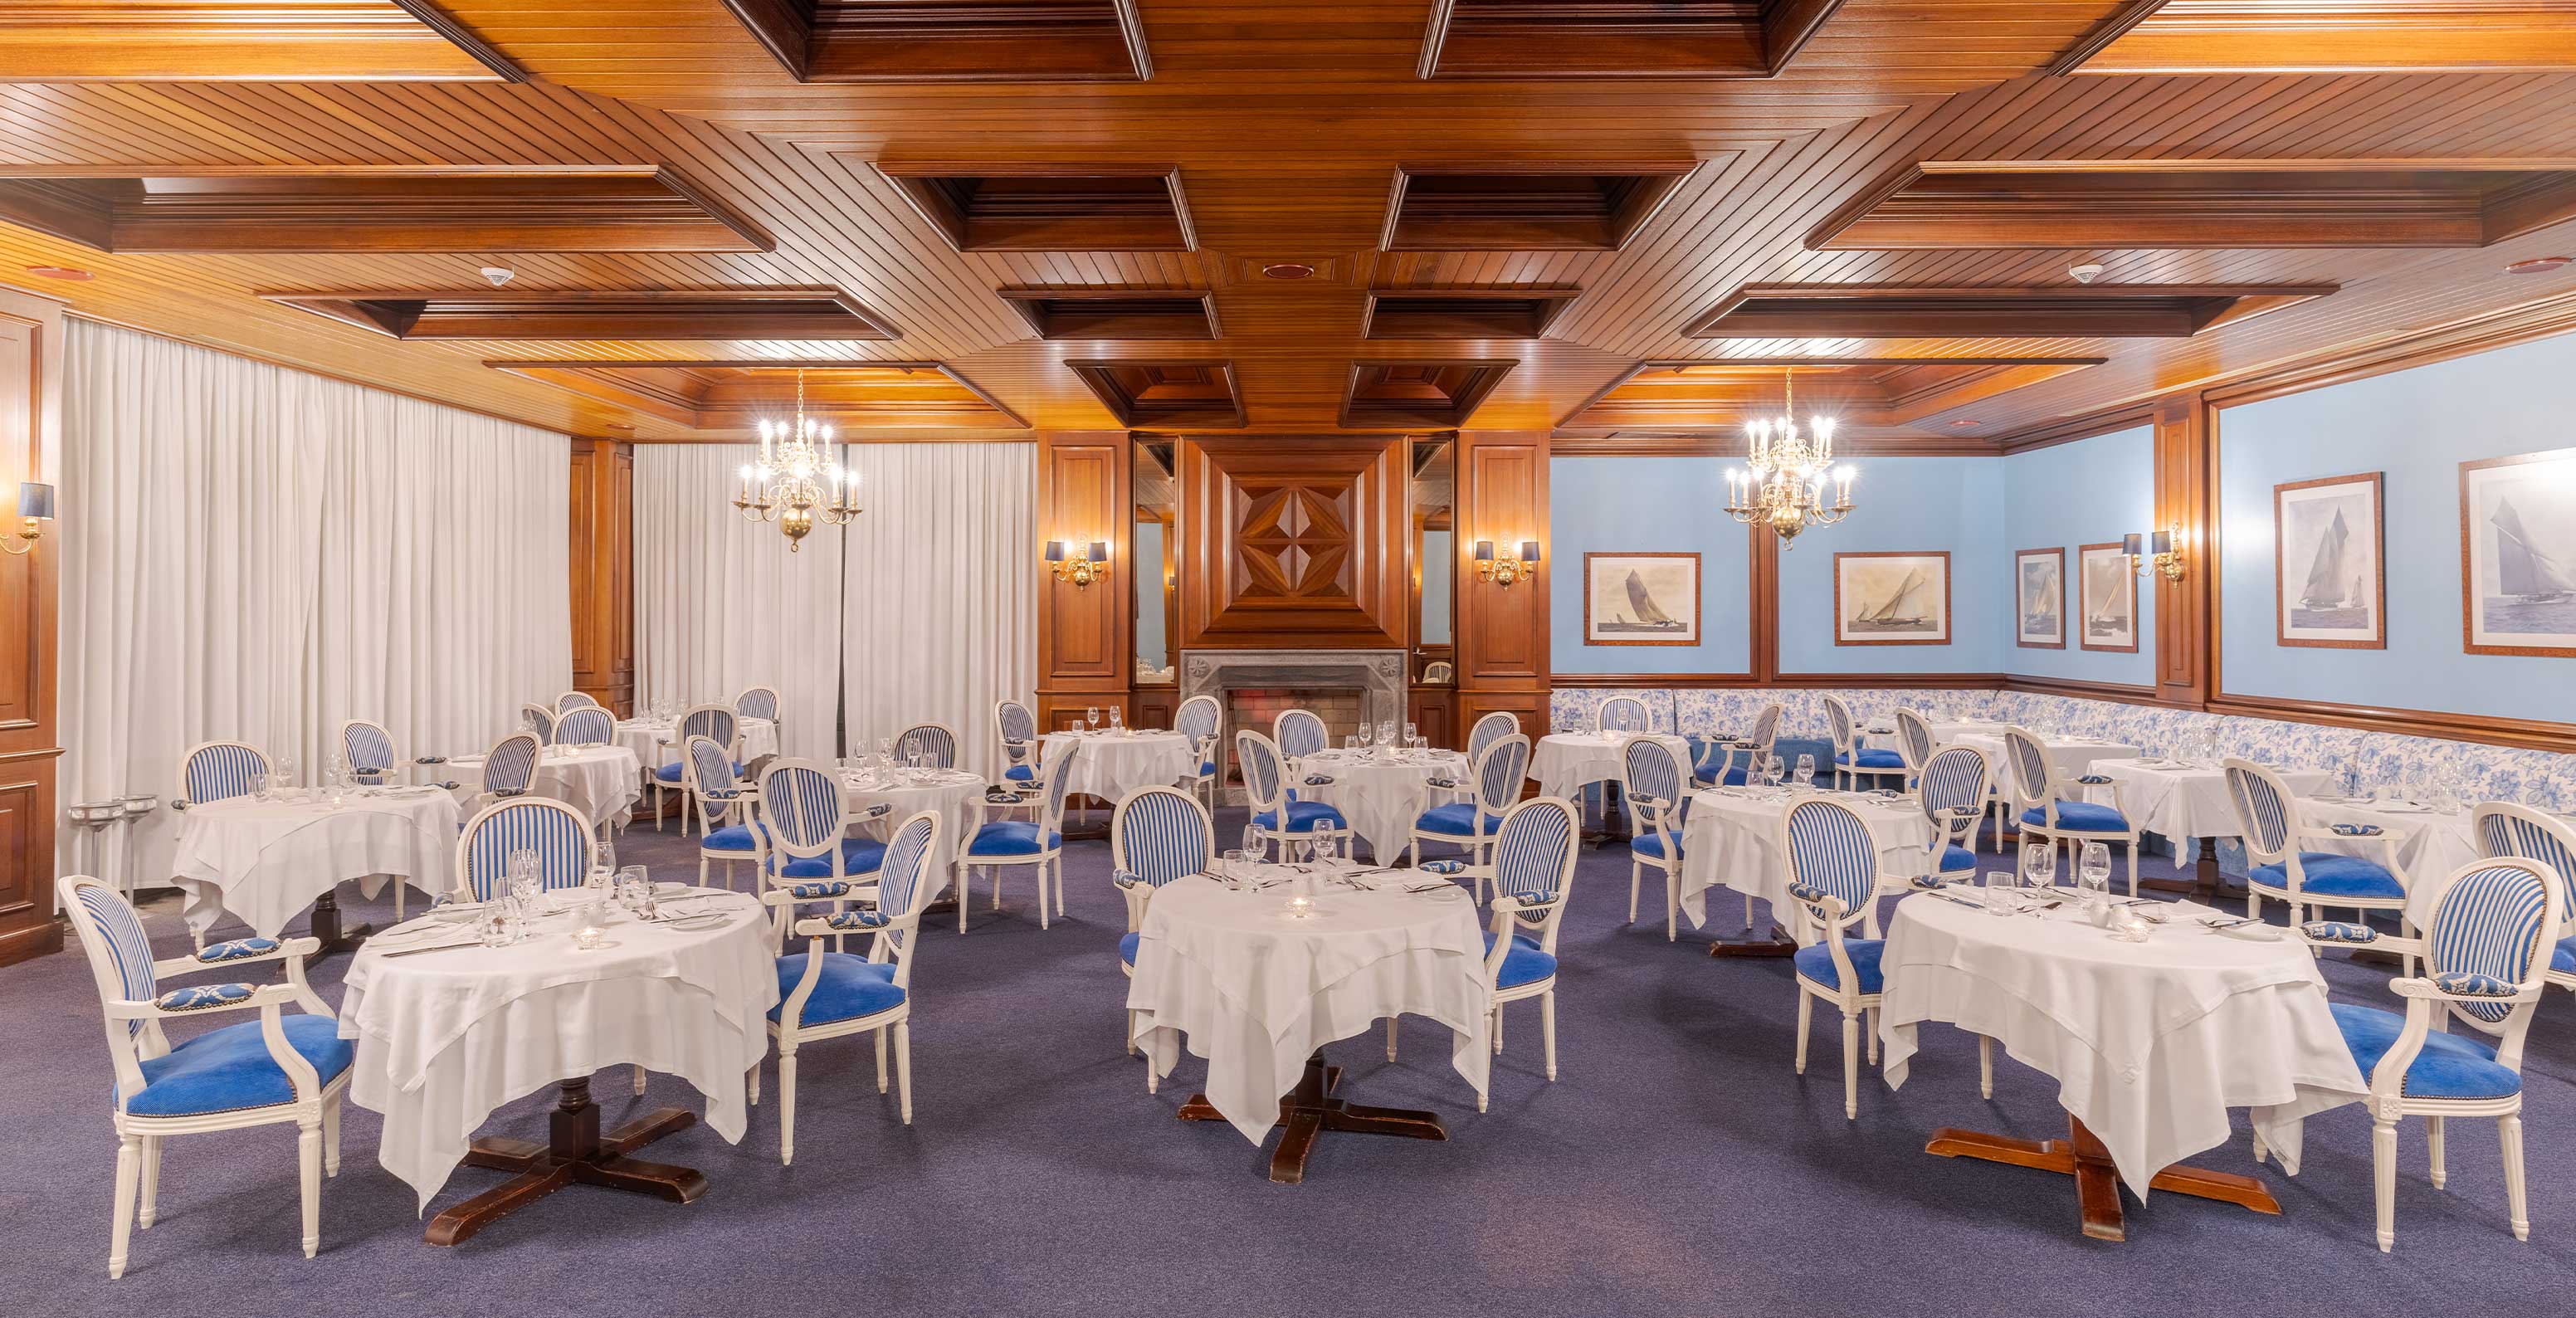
[1659, 505]
[2089, 492]
[1912, 505]
[1146, 584]
[2417, 426]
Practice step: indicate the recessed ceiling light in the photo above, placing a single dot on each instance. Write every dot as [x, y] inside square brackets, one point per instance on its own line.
[59, 272]
[620, 425]
[1963, 423]
[1288, 270]
[2536, 265]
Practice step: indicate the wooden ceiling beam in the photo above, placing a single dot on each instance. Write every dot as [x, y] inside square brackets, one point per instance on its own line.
[1887, 392]
[819, 313]
[730, 396]
[2047, 311]
[1166, 393]
[1464, 313]
[243, 41]
[2333, 36]
[1050, 208]
[1107, 314]
[1418, 395]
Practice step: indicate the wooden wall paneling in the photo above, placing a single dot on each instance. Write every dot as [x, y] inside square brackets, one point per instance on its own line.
[1502, 632]
[2186, 496]
[31, 356]
[1295, 543]
[1432, 711]
[603, 572]
[1085, 650]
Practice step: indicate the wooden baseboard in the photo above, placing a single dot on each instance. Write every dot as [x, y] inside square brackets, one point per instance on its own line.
[40, 938]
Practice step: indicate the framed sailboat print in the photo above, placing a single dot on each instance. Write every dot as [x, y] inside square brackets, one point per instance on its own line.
[2518, 554]
[1892, 598]
[2108, 602]
[2326, 563]
[2039, 592]
[1641, 599]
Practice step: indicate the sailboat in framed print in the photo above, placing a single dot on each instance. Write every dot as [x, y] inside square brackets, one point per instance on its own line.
[2327, 575]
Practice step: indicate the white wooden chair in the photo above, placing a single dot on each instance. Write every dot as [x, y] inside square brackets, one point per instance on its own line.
[1915, 744]
[214, 771]
[1000, 844]
[1621, 714]
[1499, 723]
[1730, 763]
[539, 719]
[1856, 764]
[277, 1070]
[2275, 837]
[2506, 829]
[590, 726]
[2486, 957]
[1298, 733]
[1157, 834]
[804, 824]
[934, 745]
[572, 700]
[1197, 719]
[1017, 730]
[1274, 814]
[759, 702]
[1833, 884]
[832, 994]
[367, 747]
[509, 768]
[1953, 785]
[717, 723]
[1474, 822]
[1650, 781]
[2045, 803]
[727, 829]
[1533, 876]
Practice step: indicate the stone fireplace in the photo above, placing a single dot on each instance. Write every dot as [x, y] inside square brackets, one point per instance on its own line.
[1343, 687]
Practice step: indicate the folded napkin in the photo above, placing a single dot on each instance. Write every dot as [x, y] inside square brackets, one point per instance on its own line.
[2338, 931]
[2095, 780]
[1442, 867]
[2357, 830]
[1440, 782]
[1318, 780]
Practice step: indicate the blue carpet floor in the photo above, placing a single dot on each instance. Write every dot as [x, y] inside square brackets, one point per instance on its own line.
[1677, 1167]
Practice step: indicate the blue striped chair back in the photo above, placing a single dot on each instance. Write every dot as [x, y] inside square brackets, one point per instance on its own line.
[2029, 765]
[1262, 771]
[1016, 722]
[1500, 723]
[1841, 716]
[713, 721]
[710, 766]
[1499, 773]
[220, 771]
[111, 934]
[553, 830]
[1914, 738]
[2494, 920]
[586, 727]
[1829, 848]
[1954, 779]
[1055, 779]
[1621, 714]
[907, 859]
[933, 742]
[802, 804]
[368, 750]
[1534, 852]
[1160, 834]
[1652, 774]
[512, 764]
[2520, 832]
[539, 720]
[1766, 728]
[1197, 718]
[757, 702]
[2263, 809]
[572, 700]
[1298, 733]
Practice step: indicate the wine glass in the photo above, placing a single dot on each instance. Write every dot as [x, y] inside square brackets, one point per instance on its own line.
[1365, 736]
[1774, 772]
[2093, 873]
[603, 856]
[1115, 717]
[2039, 864]
[1386, 732]
[1807, 771]
[1091, 717]
[282, 769]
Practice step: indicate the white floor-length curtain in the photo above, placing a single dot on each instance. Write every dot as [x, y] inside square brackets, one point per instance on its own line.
[722, 604]
[254, 553]
[943, 606]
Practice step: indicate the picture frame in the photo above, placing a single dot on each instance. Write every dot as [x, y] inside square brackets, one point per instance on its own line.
[1641, 598]
[2329, 563]
[2518, 554]
[2107, 598]
[1896, 597]
[2039, 598]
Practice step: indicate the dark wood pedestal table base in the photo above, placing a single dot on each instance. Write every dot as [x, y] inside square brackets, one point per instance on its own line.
[575, 1153]
[334, 936]
[2097, 1182]
[1310, 1109]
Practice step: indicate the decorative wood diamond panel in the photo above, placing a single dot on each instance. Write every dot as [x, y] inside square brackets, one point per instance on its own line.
[1294, 542]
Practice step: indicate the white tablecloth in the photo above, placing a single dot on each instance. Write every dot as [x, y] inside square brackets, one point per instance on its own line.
[2151, 1043]
[1256, 992]
[1732, 837]
[2070, 756]
[1564, 762]
[1109, 765]
[1381, 798]
[2183, 803]
[651, 740]
[265, 861]
[446, 1037]
[2434, 845]
[956, 794]
[602, 782]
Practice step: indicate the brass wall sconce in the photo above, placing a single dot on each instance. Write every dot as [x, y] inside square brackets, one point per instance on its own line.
[36, 505]
[1504, 571]
[1079, 564]
[2165, 548]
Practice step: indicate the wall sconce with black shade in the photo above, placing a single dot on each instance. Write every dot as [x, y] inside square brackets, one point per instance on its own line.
[1504, 571]
[1079, 564]
[36, 505]
[2164, 546]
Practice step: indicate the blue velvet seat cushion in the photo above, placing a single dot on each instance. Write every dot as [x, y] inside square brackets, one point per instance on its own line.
[676, 770]
[1011, 837]
[849, 986]
[1127, 947]
[2564, 959]
[1021, 773]
[858, 856]
[1874, 759]
[2080, 816]
[2451, 1065]
[1955, 858]
[1524, 964]
[229, 1069]
[1649, 844]
[1817, 963]
[736, 838]
[2326, 874]
[1303, 816]
[1458, 818]
[1708, 773]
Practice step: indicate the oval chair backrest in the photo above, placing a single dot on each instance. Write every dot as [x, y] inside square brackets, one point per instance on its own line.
[713, 721]
[933, 742]
[572, 700]
[1955, 778]
[1829, 848]
[112, 935]
[1015, 722]
[555, 831]
[512, 763]
[586, 727]
[1534, 850]
[2494, 919]
[1766, 728]
[1914, 739]
[900, 889]
[1651, 772]
[1299, 733]
[367, 749]
[1160, 834]
[1500, 723]
[2520, 832]
[757, 702]
[1055, 782]
[539, 720]
[2263, 809]
[1197, 718]
[1499, 773]
[802, 804]
[1620, 714]
[1439, 670]
[220, 771]
[1263, 773]
[2029, 765]
[1840, 715]
[711, 766]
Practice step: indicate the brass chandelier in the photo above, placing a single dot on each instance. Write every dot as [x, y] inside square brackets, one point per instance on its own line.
[787, 485]
[1784, 487]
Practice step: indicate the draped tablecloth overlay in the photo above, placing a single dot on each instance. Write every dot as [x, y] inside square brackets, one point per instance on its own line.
[956, 794]
[1381, 795]
[2432, 844]
[653, 740]
[602, 782]
[265, 861]
[1732, 838]
[1563, 763]
[1109, 765]
[2071, 756]
[2183, 799]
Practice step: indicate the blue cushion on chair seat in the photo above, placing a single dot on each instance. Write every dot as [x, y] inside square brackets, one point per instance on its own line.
[2564, 959]
[2326, 874]
[1303, 816]
[1874, 759]
[1730, 778]
[1817, 963]
[1127, 947]
[2079, 816]
[2451, 1065]
[1456, 818]
[849, 986]
[1648, 844]
[1207, 768]
[1524, 964]
[229, 1069]
[736, 838]
[1011, 837]
[859, 855]
[676, 770]
[1021, 772]
[1955, 858]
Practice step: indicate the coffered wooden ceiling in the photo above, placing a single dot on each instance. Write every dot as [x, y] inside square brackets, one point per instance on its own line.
[1575, 224]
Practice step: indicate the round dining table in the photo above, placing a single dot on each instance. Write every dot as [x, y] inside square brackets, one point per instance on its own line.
[1382, 793]
[602, 782]
[651, 739]
[955, 794]
[1564, 763]
[1731, 838]
[264, 861]
[448, 1030]
[1111, 764]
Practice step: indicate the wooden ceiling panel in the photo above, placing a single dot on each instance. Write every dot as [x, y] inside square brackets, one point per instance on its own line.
[1418, 395]
[1061, 209]
[1165, 394]
[1879, 393]
[1116, 313]
[1464, 313]
[829, 41]
[658, 314]
[236, 40]
[1617, 38]
[1572, 208]
[723, 399]
[1897, 311]
[2332, 36]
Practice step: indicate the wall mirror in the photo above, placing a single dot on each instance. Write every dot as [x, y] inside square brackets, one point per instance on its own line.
[1155, 582]
[1435, 561]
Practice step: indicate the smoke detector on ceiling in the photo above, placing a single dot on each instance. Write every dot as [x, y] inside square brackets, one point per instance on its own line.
[499, 274]
[2086, 273]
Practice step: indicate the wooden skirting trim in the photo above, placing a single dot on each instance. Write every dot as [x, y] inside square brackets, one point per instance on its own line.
[2526, 734]
[1732, 681]
[2117, 692]
[38, 753]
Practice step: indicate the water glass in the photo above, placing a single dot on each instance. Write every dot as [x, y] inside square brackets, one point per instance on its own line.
[634, 888]
[1999, 893]
[282, 776]
[1115, 717]
[259, 785]
[1238, 863]
[1386, 732]
[1365, 736]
